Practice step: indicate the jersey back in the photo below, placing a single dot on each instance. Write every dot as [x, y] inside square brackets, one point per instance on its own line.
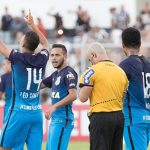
[28, 71]
[137, 99]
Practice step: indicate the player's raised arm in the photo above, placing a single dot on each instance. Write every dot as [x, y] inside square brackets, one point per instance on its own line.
[4, 50]
[29, 20]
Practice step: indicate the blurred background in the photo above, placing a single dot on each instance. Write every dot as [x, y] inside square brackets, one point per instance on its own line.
[76, 23]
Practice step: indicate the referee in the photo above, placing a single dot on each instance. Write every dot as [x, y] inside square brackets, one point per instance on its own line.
[105, 84]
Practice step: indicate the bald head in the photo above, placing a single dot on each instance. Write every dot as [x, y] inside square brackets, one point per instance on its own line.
[97, 48]
[96, 53]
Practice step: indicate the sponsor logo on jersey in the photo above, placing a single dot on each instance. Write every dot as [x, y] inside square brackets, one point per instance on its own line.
[72, 85]
[44, 53]
[26, 107]
[70, 76]
[55, 95]
[88, 75]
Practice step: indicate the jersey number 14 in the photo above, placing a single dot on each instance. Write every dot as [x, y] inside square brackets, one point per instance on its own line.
[32, 75]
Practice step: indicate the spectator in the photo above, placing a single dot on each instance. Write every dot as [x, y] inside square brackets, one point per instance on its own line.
[41, 26]
[58, 21]
[58, 24]
[6, 20]
[123, 19]
[139, 24]
[113, 17]
[83, 19]
[145, 15]
[24, 25]
[17, 28]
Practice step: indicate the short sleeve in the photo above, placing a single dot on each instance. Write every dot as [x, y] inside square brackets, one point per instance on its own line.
[14, 56]
[71, 79]
[2, 84]
[87, 78]
[45, 53]
[126, 68]
[48, 81]
[38, 59]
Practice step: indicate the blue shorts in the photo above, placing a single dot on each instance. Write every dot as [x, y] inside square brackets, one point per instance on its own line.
[137, 136]
[20, 147]
[22, 127]
[59, 134]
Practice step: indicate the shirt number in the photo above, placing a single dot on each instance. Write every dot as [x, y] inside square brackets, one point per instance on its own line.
[32, 75]
[146, 84]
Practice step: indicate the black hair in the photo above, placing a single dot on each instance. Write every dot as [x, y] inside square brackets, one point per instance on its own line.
[60, 46]
[32, 40]
[131, 38]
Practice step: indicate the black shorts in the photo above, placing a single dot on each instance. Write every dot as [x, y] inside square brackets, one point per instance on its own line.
[106, 131]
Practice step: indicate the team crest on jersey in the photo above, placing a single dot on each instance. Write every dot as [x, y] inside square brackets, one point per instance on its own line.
[57, 82]
[70, 76]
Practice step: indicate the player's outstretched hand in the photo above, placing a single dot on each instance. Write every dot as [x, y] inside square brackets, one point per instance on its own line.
[29, 19]
[49, 112]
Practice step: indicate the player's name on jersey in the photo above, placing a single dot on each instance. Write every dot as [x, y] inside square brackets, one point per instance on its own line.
[26, 107]
[146, 117]
[30, 95]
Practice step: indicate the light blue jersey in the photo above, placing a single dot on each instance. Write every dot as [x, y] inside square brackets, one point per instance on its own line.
[25, 121]
[137, 103]
[28, 71]
[137, 100]
[60, 82]
[62, 119]
[6, 88]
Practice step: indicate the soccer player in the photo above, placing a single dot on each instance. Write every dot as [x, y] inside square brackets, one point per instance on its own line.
[63, 83]
[25, 121]
[137, 100]
[104, 83]
[6, 87]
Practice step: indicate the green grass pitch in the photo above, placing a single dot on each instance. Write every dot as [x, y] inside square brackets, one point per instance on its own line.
[76, 146]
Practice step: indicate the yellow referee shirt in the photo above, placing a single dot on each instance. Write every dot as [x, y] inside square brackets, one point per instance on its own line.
[109, 84]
